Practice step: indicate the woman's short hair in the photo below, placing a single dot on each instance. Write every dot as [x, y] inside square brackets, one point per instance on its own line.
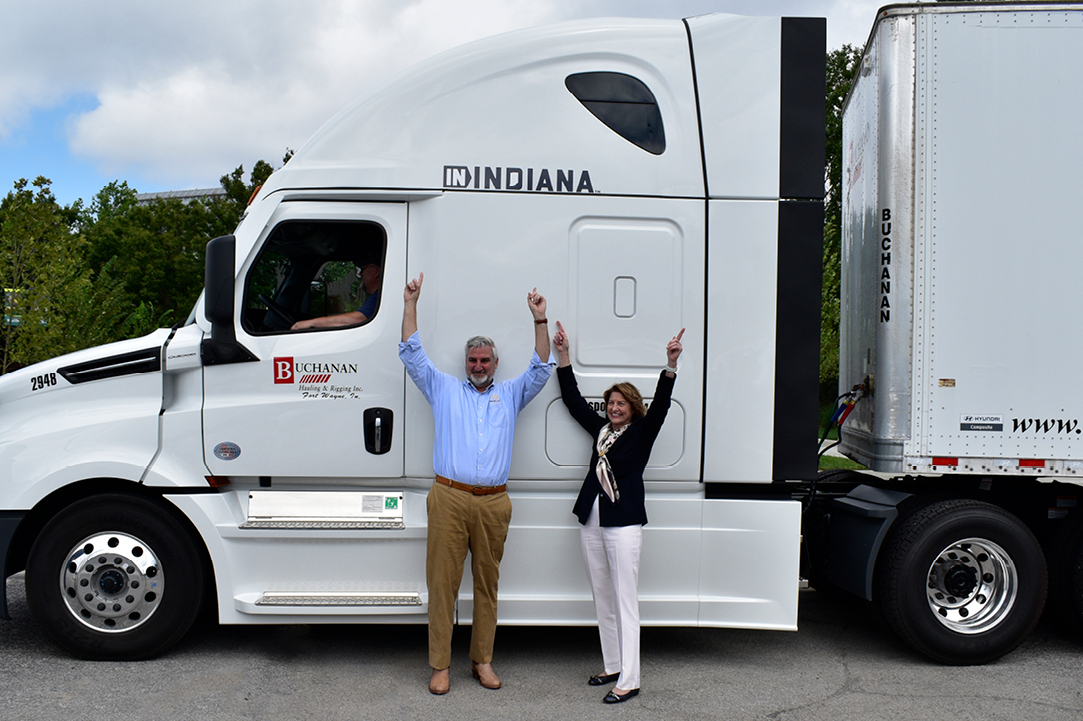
[632, 395]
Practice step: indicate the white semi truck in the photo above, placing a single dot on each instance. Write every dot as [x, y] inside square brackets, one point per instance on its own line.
[645, 176]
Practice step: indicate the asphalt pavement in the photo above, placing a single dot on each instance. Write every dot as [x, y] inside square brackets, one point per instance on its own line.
[842, 664]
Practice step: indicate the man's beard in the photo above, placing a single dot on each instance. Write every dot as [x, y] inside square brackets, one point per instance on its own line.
[480, 380]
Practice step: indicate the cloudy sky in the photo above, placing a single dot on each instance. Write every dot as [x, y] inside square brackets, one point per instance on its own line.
[170, 96]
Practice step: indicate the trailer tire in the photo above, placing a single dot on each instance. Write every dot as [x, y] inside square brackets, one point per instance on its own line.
[962, 581]
[115, 577]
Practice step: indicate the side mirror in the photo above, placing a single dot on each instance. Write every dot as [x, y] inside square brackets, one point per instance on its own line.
[219, 278]
[218, 283]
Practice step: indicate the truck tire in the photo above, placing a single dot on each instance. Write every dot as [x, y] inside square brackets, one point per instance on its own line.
[962, 581]
[114, 577]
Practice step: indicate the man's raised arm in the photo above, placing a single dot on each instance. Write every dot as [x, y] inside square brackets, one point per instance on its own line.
[409, 309]
[541, 331]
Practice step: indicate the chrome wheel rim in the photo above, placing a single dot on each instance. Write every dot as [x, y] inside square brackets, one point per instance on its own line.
[112, 582]
[972, 586]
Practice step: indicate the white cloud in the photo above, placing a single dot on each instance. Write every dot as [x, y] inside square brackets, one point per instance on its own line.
[237, 102]
[850, 22]
[188, 91]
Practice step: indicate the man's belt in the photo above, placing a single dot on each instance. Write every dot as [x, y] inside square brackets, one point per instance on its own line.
[476, 490]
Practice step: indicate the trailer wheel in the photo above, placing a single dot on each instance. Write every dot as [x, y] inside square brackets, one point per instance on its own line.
[114, 577]
[962, 581]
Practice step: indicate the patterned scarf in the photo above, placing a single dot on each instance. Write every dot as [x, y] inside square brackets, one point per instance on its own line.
[606, 438]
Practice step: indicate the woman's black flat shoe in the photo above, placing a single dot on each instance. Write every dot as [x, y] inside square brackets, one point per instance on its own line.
[603, 678]
[613, 697]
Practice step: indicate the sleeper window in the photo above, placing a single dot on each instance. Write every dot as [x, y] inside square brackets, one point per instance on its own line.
[624, 104]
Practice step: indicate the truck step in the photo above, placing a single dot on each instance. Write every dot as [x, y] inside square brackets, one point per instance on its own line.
[339, 599]
[301, 524]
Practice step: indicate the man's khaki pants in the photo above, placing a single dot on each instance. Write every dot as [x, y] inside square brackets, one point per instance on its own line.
[460, 521]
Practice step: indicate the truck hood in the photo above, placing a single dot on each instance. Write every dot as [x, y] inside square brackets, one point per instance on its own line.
[138, 355]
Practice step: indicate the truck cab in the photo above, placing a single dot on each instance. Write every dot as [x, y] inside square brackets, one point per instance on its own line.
[644, 175]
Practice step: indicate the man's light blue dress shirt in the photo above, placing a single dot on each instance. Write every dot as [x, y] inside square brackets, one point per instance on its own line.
[474, 431]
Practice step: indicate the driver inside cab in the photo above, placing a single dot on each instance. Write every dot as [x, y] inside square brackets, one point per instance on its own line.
[370, 279]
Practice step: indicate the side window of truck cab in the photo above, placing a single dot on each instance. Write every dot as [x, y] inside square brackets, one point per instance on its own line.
[314, 276]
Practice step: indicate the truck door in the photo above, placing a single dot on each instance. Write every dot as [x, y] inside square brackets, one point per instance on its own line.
[319, 403]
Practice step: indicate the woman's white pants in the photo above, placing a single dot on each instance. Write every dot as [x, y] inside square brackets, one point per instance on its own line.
[612, 558]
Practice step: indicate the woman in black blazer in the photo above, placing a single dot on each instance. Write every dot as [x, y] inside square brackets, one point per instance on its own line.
[611, 510]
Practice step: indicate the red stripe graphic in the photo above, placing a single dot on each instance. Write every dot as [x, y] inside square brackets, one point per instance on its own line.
[316, 378]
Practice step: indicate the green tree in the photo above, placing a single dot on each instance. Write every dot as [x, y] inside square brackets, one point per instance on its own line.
[156, 249]
[238, 193]
[54, 304]
[842, 64]
[29, 222]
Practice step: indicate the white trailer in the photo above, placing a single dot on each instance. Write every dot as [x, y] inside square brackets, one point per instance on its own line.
[960, 317]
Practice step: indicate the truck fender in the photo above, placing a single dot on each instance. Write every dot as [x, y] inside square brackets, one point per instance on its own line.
[19, 529]
[9, 523]
[859, 523]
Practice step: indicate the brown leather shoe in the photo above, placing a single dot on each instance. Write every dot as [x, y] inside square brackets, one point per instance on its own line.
[485, 674]
[440, 683]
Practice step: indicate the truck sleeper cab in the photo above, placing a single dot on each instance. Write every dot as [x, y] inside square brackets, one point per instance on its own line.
[644, 175]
